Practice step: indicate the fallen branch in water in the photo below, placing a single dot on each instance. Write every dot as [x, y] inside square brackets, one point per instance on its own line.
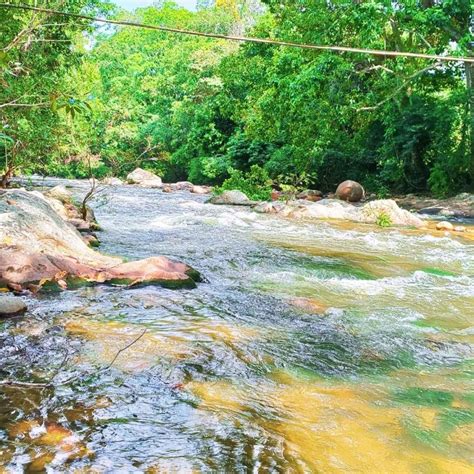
[17, 383]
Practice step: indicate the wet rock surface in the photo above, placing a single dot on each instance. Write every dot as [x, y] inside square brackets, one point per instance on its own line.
[38, 247]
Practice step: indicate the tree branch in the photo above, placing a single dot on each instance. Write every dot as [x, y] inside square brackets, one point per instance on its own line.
[49, 384]
[400, 89]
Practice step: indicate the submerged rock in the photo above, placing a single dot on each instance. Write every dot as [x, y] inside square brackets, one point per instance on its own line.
[350, 191]
[38, 247]
[444, 225]
[270, 207]
[144, 178]
[233, 198]
[11, 305]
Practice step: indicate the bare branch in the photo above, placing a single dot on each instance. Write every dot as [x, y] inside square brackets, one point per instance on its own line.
[49, 384]
[374, 68]
[400, 89]
[15, 104]
[124, 349]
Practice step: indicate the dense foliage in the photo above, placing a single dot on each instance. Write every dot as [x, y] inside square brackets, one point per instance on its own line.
[210, 110]
[37, 50]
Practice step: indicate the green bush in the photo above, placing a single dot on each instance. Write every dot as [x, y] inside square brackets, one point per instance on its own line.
[384, 220]
[256, 184]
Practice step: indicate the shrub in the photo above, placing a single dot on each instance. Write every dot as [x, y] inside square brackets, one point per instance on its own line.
[384, 220]
[256, 184]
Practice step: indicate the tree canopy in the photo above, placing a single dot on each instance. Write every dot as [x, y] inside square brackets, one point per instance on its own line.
[76, 98]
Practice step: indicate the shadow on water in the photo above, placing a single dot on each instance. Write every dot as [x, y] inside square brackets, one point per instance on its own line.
[312, 348]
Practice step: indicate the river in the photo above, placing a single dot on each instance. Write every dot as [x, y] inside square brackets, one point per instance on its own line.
[310, 347]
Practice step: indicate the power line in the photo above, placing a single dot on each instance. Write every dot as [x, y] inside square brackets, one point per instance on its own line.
[374, 52]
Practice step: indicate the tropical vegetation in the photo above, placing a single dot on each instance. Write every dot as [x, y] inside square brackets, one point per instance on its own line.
[78, 99]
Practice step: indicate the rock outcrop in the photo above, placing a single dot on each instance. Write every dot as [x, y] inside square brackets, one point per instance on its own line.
[369, 213]
[39, 247]
[232, 198]
[350, 191]
[60, 193]
[144, 178]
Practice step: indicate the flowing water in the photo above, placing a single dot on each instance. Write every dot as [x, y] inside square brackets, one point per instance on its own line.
[311, 347]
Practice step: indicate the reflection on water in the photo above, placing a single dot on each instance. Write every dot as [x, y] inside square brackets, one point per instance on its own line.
[314, 347]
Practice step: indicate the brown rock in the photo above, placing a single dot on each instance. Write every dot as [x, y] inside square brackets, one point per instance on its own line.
[310, 195]
[80, 225]
[184, 186]
[91, 240]
[350, 191]
[276, 195]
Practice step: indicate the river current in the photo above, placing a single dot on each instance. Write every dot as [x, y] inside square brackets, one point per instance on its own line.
[309, 347]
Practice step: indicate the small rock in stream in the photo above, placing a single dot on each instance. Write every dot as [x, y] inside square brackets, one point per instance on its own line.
[11, 305]
[444, 225]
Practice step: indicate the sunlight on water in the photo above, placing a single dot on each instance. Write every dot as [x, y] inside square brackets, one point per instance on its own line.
[312, 347]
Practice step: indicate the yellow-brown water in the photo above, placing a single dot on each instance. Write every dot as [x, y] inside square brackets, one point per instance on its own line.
[313, 347]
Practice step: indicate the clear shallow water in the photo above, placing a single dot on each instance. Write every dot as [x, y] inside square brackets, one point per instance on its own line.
[313, 347]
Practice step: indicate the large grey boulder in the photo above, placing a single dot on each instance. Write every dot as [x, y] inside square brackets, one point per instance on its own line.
[144, 178]
[232, 198]
[11, 305]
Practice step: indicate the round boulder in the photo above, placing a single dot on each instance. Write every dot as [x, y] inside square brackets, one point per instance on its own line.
[350, 191]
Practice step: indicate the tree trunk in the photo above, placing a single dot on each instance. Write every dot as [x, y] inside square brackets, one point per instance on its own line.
[5, 179]
[470, 97]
